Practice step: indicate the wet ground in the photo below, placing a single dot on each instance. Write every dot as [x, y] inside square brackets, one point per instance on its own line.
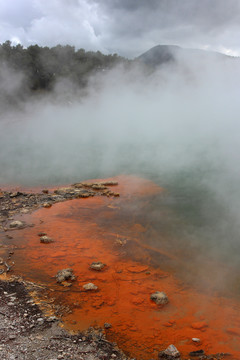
[114, 230]
[27, 333]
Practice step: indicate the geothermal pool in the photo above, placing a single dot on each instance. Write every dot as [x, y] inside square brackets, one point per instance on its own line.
[142, 242]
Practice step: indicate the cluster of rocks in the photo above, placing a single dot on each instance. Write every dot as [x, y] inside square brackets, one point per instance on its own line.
[172, 353]
[65, 275]
[87, 189]
[12, 203]
[25, 333]
[17, 306]
[21, 316]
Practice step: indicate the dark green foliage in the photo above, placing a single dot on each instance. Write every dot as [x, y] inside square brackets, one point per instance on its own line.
[41, 67]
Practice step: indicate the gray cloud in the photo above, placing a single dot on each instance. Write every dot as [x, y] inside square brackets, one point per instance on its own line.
[127, 27]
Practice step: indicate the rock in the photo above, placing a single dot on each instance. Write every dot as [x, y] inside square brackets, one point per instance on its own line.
[46, 239]
[98, 186]
[16, 224]
[107, 326]
[24, 211]
[52, 318]
[197, 340]
[109, 183]
[88, 185]
[90, 286]
[160, 298]
[98, 266]
[47, 205]
[40, 321]
[65, 274]
[170, 353]
[15, 194]
[42, 233]
[64, 191]
[78, 185]
[45, 191]
[12, 337]
[197, 353]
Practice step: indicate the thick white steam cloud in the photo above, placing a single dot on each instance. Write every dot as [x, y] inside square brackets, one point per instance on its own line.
[178, 125]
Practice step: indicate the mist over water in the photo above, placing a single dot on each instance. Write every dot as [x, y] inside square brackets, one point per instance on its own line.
[178, 126]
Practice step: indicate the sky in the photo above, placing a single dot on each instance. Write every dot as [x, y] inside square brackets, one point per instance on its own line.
[125, 27]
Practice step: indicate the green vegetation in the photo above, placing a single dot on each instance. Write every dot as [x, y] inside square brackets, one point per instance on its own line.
[39, 68]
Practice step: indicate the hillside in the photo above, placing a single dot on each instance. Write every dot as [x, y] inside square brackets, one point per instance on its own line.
[162, 54]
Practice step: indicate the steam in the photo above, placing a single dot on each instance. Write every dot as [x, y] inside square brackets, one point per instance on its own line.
[168, 120]
[178, 125]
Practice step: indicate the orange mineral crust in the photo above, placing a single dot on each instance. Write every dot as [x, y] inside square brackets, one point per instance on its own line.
[104, 229]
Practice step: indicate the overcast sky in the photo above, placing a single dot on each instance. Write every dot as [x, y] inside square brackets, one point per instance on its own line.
[127, 27]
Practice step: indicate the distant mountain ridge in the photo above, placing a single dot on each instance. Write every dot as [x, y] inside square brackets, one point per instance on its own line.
[161, 54]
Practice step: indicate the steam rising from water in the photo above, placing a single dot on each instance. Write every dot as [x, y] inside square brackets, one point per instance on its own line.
[178, 126]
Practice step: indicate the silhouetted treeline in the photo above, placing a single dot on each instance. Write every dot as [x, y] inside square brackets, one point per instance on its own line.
[41, 67]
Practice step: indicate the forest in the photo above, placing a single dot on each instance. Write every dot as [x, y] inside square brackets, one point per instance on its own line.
[36, 70]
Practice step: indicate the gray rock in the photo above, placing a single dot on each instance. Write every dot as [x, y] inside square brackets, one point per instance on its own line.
[98, 266]
[107, 326]
[160, 298]
[47, 205]
[197, 353]
[15, 194]
[46, 239]
[65, 274]
[51, 318]
[170, 353]
[40, 321]
[24, 211]
[109, 183]
[16, 224]
[64, 190]
[197, 340]
[98, 186]
[42, 233]
[90, 286]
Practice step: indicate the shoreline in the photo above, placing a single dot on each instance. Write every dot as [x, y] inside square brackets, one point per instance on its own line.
[15, 203]
[27, 333]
